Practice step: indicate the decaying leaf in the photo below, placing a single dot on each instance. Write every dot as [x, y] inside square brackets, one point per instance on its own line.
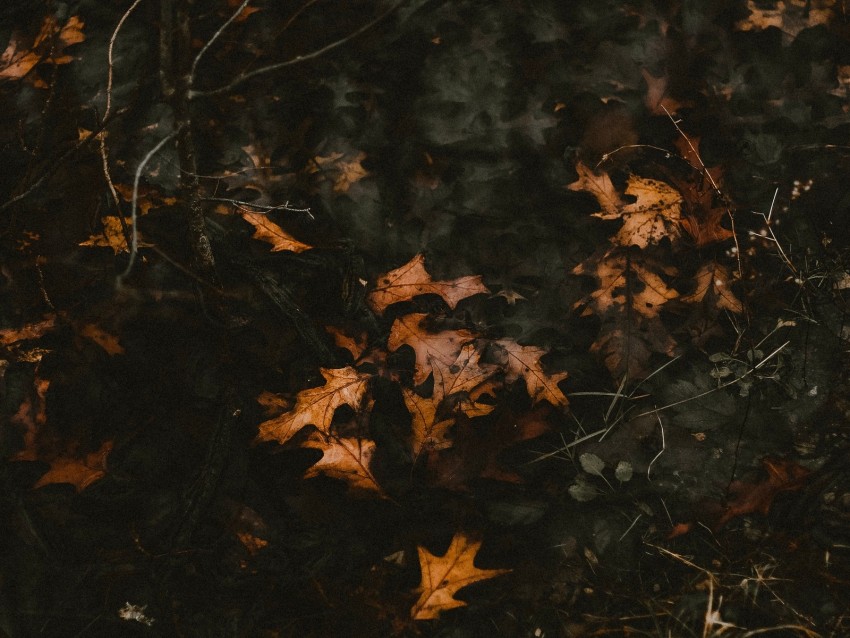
[654, 216]
[443, 576]
[524, 361]
[349, 169]
[316, 406]
[8, 336]
[347, 459]
[442, 346]
[410, 280]
[782, 476]
[790, 16]
[266, 230]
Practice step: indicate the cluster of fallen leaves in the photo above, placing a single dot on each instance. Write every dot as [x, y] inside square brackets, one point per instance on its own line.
[633, 273]
[24, 53]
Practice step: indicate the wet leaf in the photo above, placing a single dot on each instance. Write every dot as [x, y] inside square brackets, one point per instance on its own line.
[266, 230]
[524, 361]
[442, 346]
[346, 459]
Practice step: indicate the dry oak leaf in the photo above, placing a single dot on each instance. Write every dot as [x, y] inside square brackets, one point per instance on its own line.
[712, 281]
[410, 280]
[79, 472]
[790, 16]
[113, 235]
[18, 60]
[464, 374]
[316, 406]
[524, 361]
[443, 346]
[8, 336]
[782, 476]
[656, 214]
[428, 433]
[347, 459]
[443, 576]
[598, 185]
[266, 230]
[623, 282]
[348, 172]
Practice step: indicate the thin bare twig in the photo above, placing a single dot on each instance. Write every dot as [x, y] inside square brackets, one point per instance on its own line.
[244, 77]
[134, 243]
[212, 40]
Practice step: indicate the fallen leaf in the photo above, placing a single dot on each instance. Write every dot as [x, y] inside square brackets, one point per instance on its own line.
[713, 287]
[102, 338]
[79, 472]
[316, 406]
[410, 280]
[113, 235]
[8, 336]
[346, 459]
[266, 230]
[348, 172]
[783, 475]
[600, 186]
[443, 576]
[442, 346]
[19, 59]
[355, 345]
[654, 216]
[524, 361]
[428, 433]
[464, 374]
[790, 16]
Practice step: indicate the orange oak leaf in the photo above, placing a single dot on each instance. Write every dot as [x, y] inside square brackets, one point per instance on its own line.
[355, 345]
[712, 281]
[347, 459]
[462, 375]
[628, 300]
[79, 472]
[428, 432]
[656, 214]
[524, 361]
[443, 346]
[443, 576]
[410, 280]
[102, 338]
[624, 281]
[19, 59]
[316, 406]
[782, 476]
[348, 171]
[598, 185]
[266, 230]
[790, 17]
[113, 235]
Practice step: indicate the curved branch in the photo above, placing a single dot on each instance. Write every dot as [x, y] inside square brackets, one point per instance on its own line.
[244, 77]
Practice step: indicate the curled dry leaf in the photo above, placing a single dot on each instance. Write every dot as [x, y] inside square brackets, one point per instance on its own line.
[443, 576]
[316, 406]
[408, 281]
[266, 230]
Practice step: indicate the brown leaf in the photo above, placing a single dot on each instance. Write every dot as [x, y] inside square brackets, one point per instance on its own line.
[655, 215]
[443, 576]
[524, 361]
[443, 346]
[429, 433]
[782, 476]
[79, 472]
[266, 230]
[316, 406]
[348, 172]
[113, 235]
[598, 185]
[8, 336]
[713, 281]
[19, 59]
[346, 459]
[791, 16]
[410, 280]
[462, 375]
[102, 338]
